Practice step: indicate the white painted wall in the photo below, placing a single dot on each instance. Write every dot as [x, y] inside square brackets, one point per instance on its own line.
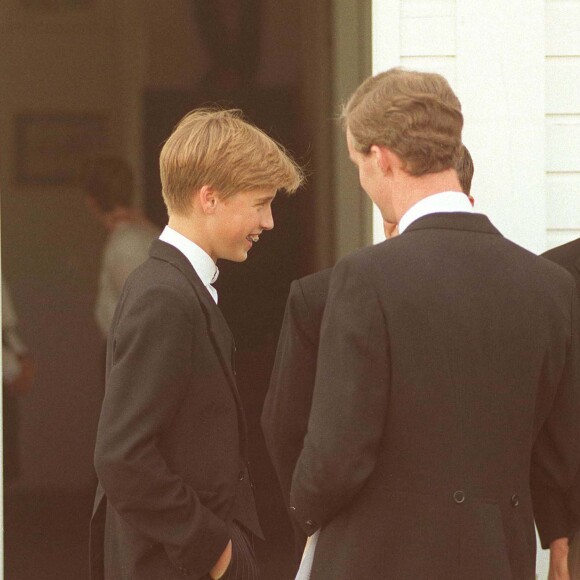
[562, 87]
[518, 78]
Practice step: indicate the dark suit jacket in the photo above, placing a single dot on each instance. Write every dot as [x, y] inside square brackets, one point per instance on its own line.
[171, 445]
[561, 515]
[289, 397]
[447, 371]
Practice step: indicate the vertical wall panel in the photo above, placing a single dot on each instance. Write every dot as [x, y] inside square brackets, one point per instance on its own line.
[562, 28]
[563, 120]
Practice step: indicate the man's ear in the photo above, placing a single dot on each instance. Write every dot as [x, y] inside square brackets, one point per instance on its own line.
[208, 199]
[385, 158]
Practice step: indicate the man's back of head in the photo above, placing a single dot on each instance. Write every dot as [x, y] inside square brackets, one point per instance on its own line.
[414, 114]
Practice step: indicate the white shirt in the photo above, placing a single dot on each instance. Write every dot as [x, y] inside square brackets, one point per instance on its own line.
[202, 263]
[305, 569]
[444, 202]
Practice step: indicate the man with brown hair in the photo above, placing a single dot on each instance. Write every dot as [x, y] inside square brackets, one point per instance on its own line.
[287, 403]
[175, 496]
[447, 368]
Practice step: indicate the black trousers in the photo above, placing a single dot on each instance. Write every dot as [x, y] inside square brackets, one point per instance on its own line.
[243, 565]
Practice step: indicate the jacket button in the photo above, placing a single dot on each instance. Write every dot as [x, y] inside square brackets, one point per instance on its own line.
[310, 524]
[459, 496]
[241, 476]
[515, 500]
[292, 508]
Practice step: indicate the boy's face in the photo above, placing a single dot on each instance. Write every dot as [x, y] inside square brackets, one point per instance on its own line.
[238, 222]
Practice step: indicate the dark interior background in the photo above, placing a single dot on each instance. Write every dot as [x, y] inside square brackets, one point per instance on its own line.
[132, 70]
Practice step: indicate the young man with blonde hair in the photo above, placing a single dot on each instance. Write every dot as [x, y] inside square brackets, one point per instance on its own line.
[447, 368]
[175, 497]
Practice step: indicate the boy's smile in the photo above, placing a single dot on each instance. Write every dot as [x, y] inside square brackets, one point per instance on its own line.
[238, 222]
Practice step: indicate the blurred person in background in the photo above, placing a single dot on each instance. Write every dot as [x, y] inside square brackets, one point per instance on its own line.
[109, 187]
[17, 378]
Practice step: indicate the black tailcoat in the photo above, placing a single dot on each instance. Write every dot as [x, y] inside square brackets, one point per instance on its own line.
[557, 515]
[289, 397]
[171, 445]
[447, 372]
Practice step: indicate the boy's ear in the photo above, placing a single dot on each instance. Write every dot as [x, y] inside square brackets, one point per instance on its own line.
[208, 199]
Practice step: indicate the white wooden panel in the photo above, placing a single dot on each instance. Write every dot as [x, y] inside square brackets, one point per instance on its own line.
[501, 73]
[444, 65]
[563, 201]
[386, 47]
[563, 28]
[386, 54]
[558, 237]
[426, 8]
[428, 36]
[563, 85]
[563, 144]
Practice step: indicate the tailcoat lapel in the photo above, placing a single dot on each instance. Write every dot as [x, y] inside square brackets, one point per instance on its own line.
[219, 331]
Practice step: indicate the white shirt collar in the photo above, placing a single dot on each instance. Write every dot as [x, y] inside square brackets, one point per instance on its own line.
[444, 202]
[200, 260]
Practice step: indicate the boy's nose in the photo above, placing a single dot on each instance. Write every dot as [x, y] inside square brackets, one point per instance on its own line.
[267, 220]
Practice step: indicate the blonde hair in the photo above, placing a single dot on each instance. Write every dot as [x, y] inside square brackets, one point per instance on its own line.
[220, 149]
[415, 114]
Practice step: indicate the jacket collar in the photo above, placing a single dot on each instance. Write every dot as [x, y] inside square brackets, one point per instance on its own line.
[219, 330]
[168, 253]
[472, 222]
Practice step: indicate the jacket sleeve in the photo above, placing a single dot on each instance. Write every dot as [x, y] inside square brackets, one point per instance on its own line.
[149, 375]
[351, 391]
[555, 483]
[289, 397]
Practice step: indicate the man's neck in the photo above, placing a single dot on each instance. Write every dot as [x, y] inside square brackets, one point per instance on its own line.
[410, 189]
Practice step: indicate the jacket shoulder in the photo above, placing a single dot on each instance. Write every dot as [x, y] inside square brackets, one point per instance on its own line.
[566, 255]
[314, 288]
